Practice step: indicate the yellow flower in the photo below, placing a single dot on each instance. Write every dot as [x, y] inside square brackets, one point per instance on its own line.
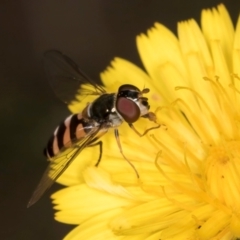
[189, 171]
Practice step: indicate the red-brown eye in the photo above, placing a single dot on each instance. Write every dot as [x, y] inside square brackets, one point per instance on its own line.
[128, 109]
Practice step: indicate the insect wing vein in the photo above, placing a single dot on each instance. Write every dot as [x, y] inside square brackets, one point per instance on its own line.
[66, 78]
[60, 163]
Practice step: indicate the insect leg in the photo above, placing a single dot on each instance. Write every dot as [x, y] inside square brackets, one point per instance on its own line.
[100, 143]
[145, 132]
[120, 148]
[152, 117]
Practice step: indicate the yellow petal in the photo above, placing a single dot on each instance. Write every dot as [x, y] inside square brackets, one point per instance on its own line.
[95, 228]
[76, 211]
[156, 51]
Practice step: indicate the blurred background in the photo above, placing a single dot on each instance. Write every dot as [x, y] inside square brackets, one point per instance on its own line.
[92, 33]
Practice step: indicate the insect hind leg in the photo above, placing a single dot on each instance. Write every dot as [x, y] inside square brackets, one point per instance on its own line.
[100, 143]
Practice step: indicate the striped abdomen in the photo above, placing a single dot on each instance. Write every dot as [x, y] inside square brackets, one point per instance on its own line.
[74, 127]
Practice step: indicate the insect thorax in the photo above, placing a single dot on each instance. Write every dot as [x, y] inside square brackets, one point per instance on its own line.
[102, 110]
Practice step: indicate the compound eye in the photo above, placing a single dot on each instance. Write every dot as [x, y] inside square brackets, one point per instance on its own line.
[128, 109]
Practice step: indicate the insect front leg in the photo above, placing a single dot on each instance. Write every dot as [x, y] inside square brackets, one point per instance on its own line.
[121, 151]
[152, 117]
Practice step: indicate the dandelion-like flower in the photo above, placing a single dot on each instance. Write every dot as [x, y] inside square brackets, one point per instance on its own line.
[189, 186]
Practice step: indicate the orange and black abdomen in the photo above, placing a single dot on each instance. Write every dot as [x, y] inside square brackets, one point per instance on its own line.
[71, 129]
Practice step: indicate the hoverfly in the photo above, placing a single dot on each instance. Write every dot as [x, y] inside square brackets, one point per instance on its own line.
[81, 130]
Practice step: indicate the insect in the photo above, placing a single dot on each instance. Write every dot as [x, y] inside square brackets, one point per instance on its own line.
[84, 129]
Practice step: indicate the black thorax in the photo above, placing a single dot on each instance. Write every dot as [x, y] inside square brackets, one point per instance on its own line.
[101, 108]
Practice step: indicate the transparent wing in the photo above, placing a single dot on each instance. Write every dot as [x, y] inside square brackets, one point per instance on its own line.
[66, 78]
[61, 162]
